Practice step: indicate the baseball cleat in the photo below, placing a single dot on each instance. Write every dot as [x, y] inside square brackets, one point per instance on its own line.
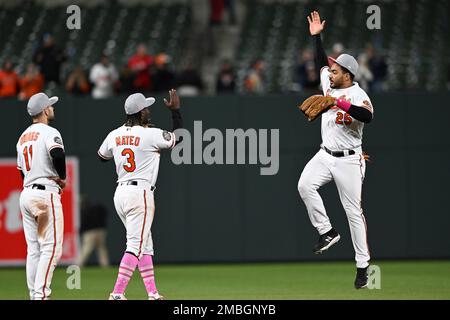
[117, 296]
[155, 296]
[326, 241]
[361, 278]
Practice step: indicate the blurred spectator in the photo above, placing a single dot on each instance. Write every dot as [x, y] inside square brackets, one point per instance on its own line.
[338, 49]
[254, 81]
[9, 81]
[312, 79]
[307, 76]
[126, 80]
[49, 58]
[103, 75]
[364, 77]
[140, 66]
[216, 12]
[77, 82]
[377, 66]
[93, 232]
[163, 78]
[231, 8]
[31, 83]
[189, 82]
[226, 79]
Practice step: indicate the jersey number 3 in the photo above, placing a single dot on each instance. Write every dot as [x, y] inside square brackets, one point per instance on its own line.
[342, 118]
[130, 166]
[27, 158]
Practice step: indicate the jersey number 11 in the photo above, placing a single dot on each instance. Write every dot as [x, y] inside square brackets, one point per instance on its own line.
[28, 159]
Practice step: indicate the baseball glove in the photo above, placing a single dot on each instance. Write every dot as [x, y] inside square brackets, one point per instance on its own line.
[315, 105]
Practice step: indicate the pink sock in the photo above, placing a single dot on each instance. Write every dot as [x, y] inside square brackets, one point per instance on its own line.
[148, 275]
[126, 269]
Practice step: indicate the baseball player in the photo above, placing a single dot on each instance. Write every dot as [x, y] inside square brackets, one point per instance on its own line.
[41, 161]
[340, 157]
[135, 148]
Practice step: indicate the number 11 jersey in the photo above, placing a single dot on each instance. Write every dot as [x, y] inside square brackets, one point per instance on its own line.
[33, 154]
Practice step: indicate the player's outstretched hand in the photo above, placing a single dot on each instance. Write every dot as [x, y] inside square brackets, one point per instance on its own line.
[174, 100]
[315, 26]
[61, 183]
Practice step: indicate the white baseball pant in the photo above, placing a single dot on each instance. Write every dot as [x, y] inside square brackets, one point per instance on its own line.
[136, 207]
[348, 174]
[43, 225]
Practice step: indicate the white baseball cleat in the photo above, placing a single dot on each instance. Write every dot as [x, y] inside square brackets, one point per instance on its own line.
[155, 296]
[117, 296]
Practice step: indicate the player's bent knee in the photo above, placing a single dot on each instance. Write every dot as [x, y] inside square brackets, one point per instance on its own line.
[33, 254]
[305, 188]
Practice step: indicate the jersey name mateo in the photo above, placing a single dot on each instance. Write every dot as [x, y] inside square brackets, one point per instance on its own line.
[127, 141]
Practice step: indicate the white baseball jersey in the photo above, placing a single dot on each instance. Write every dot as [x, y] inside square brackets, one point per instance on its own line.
[33, 154]
[340, 131]
[136, 151]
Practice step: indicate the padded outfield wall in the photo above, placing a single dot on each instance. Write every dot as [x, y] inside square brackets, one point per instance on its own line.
[226, 213]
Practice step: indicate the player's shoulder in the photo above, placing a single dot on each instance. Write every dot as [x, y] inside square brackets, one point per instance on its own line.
[324, 68]
[361, 95]
[157, 133]
[43, 129]
[27, 129]
[156, 130]
[358, 91]
[153, 131]
[52, 130]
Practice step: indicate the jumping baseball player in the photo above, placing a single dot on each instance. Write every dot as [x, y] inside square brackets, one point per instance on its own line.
[41, 161]
[135, 148]
[340, 157]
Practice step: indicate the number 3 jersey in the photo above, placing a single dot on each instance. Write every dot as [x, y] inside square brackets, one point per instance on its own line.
[136, 151]
[339, 130]
[33, 154]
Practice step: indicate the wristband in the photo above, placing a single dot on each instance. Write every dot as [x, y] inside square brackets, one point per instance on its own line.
[343, 104]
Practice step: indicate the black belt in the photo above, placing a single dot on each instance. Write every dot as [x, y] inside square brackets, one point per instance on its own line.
[135, 183]
[42, 187]
[338, 153]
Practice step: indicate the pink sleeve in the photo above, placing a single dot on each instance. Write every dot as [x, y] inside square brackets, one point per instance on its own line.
[343, 104]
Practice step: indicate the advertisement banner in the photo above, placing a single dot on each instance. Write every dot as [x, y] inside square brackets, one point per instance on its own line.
[13, 251]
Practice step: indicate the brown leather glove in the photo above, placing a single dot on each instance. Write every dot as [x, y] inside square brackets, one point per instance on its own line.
[315, 105]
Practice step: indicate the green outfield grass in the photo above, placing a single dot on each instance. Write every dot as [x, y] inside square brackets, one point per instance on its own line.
[333, 280]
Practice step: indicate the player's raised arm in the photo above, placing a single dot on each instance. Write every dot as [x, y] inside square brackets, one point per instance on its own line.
[315, 25]
[315, 28]
[174, 106]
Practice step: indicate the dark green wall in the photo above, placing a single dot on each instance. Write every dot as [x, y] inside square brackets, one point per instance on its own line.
[231, 213]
